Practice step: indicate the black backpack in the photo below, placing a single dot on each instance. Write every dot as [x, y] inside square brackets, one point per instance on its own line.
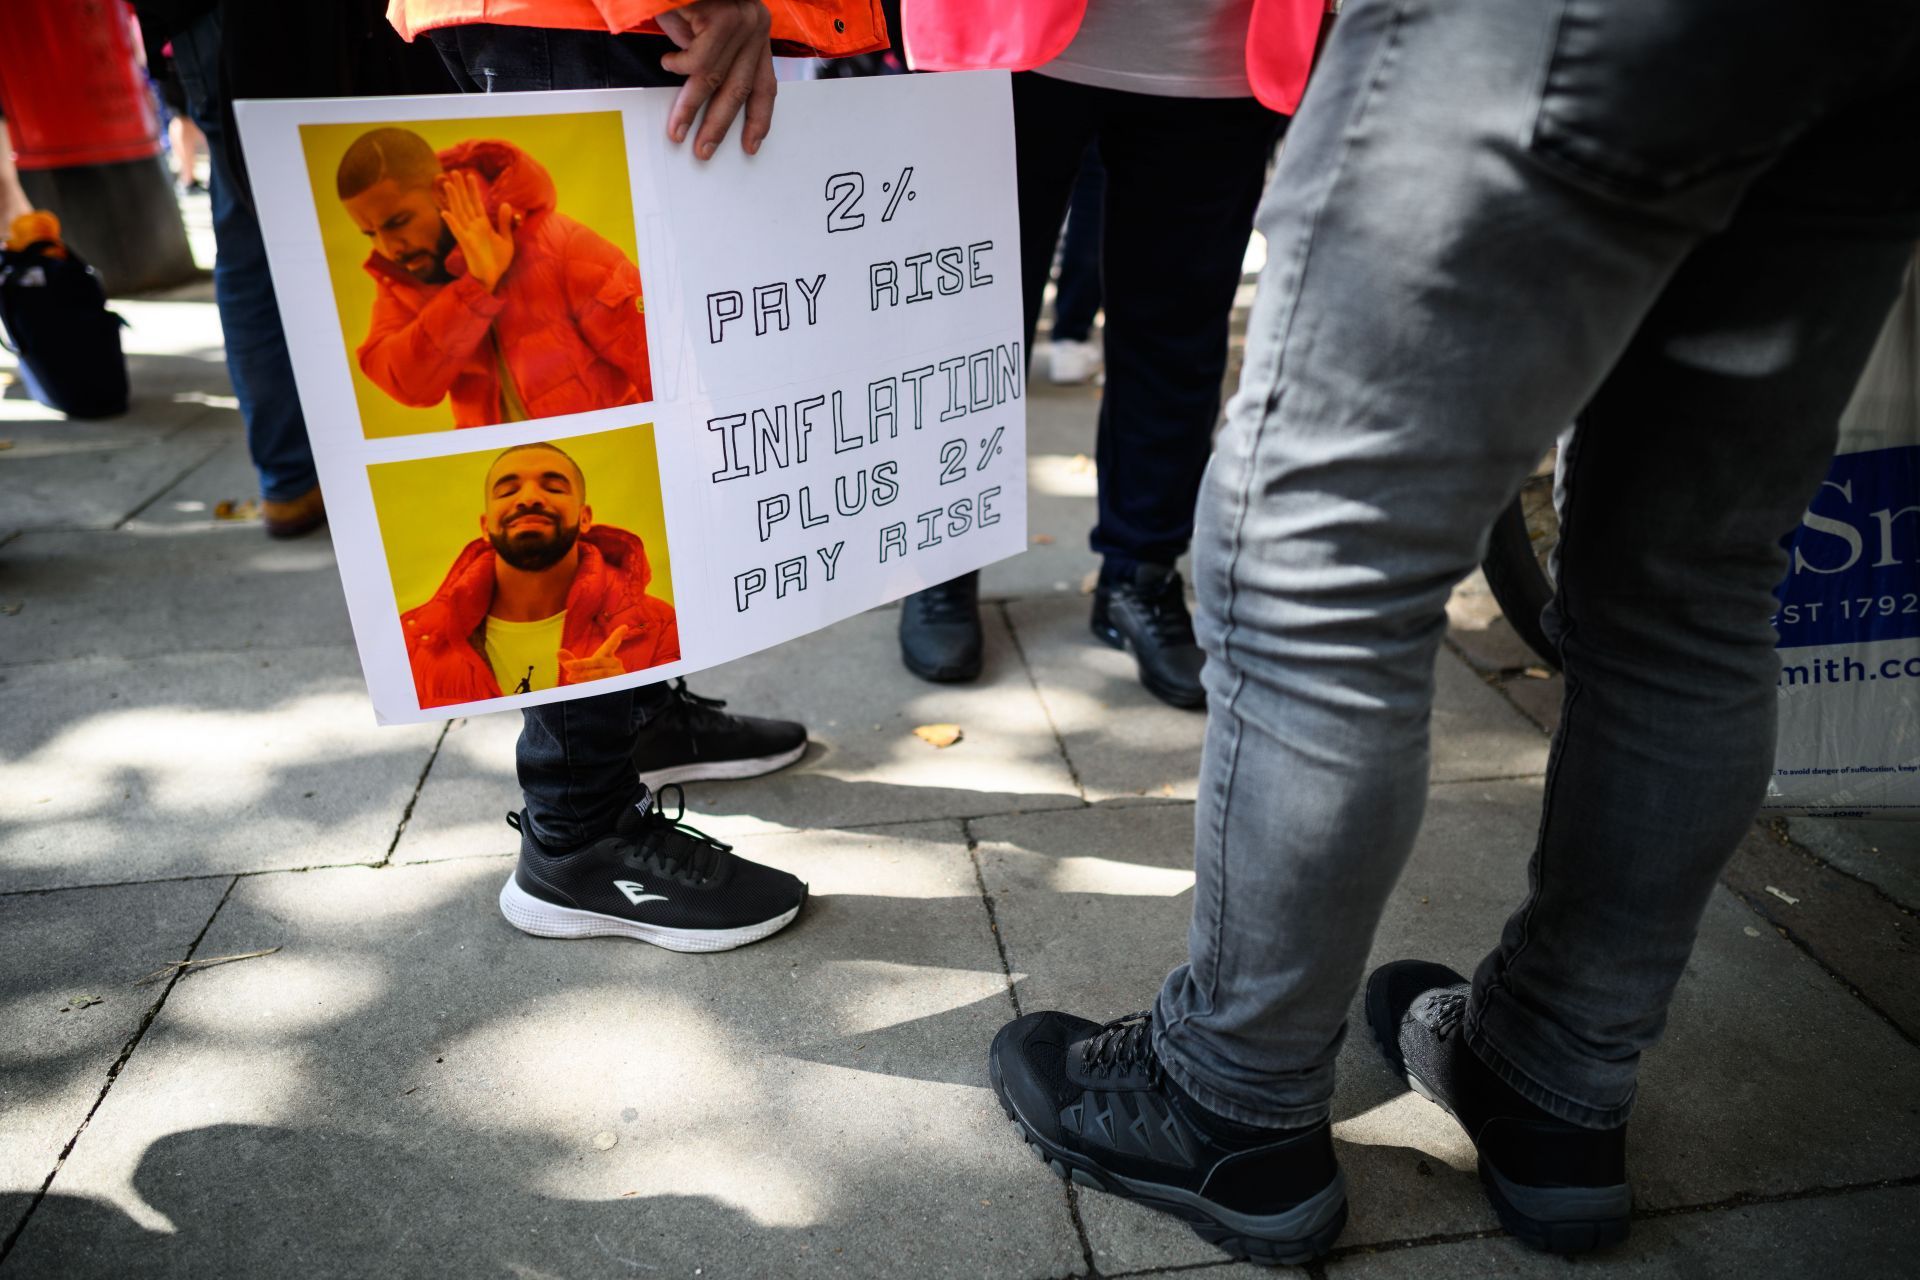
[56, 319]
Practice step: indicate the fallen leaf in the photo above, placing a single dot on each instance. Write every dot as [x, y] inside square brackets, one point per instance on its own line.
[1751, 932]
[13, 608]
[1537, 673]
[1081, 462]
[938, 735]
[82, 1002]
[1043, 539]
[227, 509]
[6, 444]
[1784, 896]
[605, 1141]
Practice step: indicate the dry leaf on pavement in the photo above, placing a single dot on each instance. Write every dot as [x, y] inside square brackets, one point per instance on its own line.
[938, 735]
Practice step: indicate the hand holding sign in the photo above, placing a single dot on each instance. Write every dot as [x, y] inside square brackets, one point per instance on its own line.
[728, 65]
[488, 248]
[599, 665]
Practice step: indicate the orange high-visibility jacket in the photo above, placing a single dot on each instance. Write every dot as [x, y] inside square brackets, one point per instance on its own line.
[446, 636]
[1019, 35]
[801, 28]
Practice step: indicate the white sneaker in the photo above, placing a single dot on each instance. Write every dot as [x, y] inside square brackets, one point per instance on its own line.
[1071, 363]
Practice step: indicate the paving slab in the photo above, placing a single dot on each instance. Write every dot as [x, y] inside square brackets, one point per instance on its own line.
[1124, 742]
[864, 766]
[1872, 944]
[140, 593]
[1745, 1098]
[191, 502]
[412, 1087]
[1867, 1235]
[197, 764]
[69, 1006]
[93, 475]
[1884, 854]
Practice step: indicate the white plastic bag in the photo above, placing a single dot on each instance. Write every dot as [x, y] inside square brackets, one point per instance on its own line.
[1849, 619]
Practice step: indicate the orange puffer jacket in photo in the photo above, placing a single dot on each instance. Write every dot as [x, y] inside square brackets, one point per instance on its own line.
[801, 28]
[567, 315]
[446, 636]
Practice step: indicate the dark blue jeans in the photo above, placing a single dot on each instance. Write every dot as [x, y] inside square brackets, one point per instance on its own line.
[257, 360]
[1076, 294]
[574, 758]
[1183, 179]
[1491, 219]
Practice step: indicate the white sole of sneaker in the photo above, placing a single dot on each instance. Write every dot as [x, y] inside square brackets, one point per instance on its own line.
[720, 770]
[545, 920]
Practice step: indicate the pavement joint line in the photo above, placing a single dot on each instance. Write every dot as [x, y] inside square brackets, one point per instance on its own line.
[163, 490]
[113, 1074]
[1013, 998]
[1059, 739]
[1742, 1200]
[1805, 948]
[1777, 828]
[419, 785]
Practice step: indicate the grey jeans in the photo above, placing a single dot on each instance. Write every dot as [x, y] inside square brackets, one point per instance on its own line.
[1677, 223]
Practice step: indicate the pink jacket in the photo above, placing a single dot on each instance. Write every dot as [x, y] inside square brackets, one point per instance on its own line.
[1019, 35]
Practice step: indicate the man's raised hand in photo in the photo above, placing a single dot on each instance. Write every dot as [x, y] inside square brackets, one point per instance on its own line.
[486, 243]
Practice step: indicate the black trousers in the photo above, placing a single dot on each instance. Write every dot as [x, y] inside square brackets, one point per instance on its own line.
[1183, 178]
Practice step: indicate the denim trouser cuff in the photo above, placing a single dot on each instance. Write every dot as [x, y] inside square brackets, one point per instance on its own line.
[1265, 1113]
[1492, 1035]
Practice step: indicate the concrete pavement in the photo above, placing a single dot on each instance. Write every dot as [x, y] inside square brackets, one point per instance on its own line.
[406, 1085]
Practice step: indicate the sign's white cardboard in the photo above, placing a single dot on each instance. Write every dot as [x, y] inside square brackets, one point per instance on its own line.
[809, 402]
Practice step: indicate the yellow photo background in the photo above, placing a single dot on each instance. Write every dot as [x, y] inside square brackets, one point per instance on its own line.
[587, 156]
[429, 509]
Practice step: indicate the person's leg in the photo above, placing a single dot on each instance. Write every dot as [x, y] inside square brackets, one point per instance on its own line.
[1183, 179]
[257, 359]
[1442, 293]
[1684, 475]
[584, 763]
[1076, 297]
[940, 638]
[1469, 224]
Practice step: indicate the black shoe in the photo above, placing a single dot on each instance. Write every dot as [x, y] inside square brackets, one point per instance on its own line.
[655, 879]
[940, 631]
[1555, 1185]
[1147, 615]
[692, 740]
[1093, 1102]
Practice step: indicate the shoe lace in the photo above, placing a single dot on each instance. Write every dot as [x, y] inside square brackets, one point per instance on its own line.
[696, 710]
[1165, 610]
[1444, 1010]
[950, 601]
[677, 846]
[1123, 1045]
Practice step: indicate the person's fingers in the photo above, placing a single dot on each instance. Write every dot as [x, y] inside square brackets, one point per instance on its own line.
[727, 102]
[759, 120]
[612, 645]
[566, 657]
[506, 219]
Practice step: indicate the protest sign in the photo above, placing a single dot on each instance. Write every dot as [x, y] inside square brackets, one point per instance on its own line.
[591, 413]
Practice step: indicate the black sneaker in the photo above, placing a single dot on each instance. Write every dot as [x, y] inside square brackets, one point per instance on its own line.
[1146, 614]
[693, 740]
[1093, 1102]
[655, 879]
[1555, 1185]
[940, 631]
